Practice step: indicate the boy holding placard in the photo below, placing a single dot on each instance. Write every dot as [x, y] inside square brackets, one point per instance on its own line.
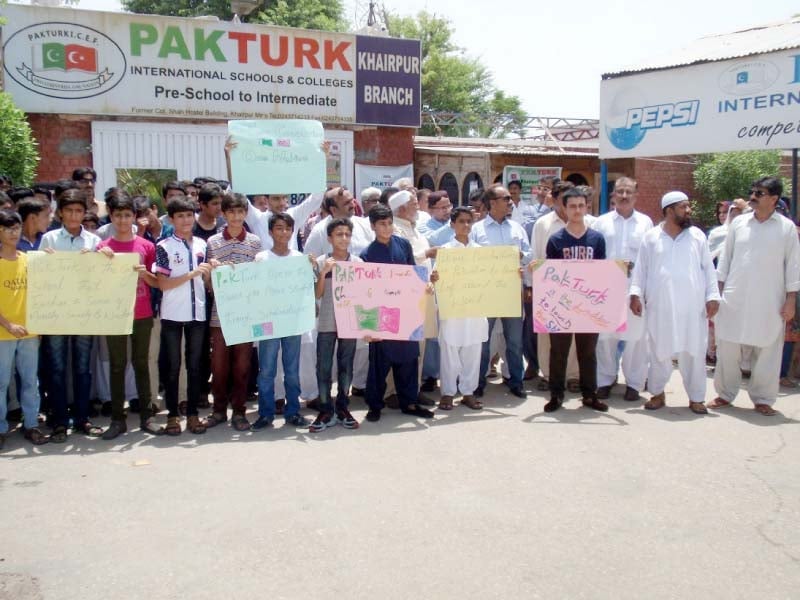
[340, 233]
[180, 267]
[122, 212]
[281, 229]
[234, 245]
[461, 340]
[19, 349]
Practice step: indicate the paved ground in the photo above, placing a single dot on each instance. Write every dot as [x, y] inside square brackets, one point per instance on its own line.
[503, 503]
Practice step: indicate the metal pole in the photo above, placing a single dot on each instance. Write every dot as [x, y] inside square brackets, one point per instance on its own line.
[603, 187]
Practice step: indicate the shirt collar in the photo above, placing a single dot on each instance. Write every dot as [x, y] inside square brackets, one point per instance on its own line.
[491, 220]
[66, 234]
[239, 238]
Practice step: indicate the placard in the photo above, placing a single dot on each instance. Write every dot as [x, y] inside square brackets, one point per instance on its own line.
[264, 300]
[74, 293]
[478, 282]
[528, 177]
[580, 296]
[381, 301]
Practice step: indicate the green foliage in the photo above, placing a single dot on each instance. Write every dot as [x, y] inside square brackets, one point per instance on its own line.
[18, 153]
[728, 175]
[454, 82]
[146, 182]
[327, 15]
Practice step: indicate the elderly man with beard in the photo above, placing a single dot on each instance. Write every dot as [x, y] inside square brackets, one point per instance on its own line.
[675, 279]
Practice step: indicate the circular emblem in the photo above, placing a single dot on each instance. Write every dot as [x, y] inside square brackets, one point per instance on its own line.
[748, 77]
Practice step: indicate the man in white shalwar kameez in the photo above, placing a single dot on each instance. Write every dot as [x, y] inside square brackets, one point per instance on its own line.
[461, 340]
[759, 276]
[674, 278]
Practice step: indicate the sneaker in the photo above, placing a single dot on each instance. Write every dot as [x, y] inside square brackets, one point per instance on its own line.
[297, 421]
[322, 422]
[347, 420]
[374, 415]
[261, 423]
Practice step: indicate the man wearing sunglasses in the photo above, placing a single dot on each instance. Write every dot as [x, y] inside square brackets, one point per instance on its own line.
[759, 276]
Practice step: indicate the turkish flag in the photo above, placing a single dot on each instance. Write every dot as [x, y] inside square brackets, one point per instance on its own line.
[80, 57]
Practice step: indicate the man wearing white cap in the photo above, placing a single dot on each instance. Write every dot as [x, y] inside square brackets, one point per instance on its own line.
[759, 276]
[674, 278]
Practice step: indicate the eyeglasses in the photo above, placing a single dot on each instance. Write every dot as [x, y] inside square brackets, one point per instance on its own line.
[12, 229]
[758, 193]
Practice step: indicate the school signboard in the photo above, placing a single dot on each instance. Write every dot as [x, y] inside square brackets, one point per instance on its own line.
[61, 60]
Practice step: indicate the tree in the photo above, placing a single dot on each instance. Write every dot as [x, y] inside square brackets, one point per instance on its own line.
[18, 154]
[728, 175]
[327, 15]
[455, 83]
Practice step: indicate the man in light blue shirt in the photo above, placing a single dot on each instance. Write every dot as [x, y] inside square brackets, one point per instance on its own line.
[497, 229]
[437, 229]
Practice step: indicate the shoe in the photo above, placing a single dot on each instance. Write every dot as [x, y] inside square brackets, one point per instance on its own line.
[698, 408]
[374, 415]
[314, 404]
[322, 422]
[114, 429]
[417, 411]
[392, 401]
[428, 385]
[573, 386]
[261, 423]
[518, 392]
[356, 391]
[631, 395]
[297, 421]
[424, 400]
[133, 406]
[595, 404]
[347, 420]
[656, 402]
[280, 405]
[603, 392]
[553, 405]
[149, 426]
[35, 436]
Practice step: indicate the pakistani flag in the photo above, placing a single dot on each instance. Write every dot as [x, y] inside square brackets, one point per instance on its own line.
[67, 57]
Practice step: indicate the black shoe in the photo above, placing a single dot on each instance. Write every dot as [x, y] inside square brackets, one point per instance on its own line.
[115, 429]
[354, 391]
[417, 411]
[631, 395]
[553, 405]
[373, 415]
[595, 404]
[518, 392]
[424, 400]
[603, 392]
[428, 385]
[105, 410]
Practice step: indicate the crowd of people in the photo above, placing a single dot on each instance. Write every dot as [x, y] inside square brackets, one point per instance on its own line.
[728, 300]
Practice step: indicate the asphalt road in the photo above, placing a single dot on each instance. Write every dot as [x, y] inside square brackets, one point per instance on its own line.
[503, 503]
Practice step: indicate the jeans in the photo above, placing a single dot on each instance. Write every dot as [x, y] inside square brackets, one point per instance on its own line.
[585, 344]
[230, 370]
[786, 358]
[512, 330]
[529, 336]
[268, 368]
[171, 334]
[20, 356]
[326, 340]
[431, 359]
[59, 347]
[118, 361]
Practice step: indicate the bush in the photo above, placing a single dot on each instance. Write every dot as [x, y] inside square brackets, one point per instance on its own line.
[18, 153]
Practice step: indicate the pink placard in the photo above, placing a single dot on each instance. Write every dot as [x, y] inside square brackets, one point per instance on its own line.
[381, 301]
[580, 296]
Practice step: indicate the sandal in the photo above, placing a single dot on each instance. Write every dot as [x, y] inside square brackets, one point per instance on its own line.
[195, 425]
[240, 423]
[36, 437]
[59, 435]
[446, 403]
[719, 403]
[173, 427]
[149, 426]
[215, 419]
[765, 409]
[90, 429]
[786, 382]
[471, 402]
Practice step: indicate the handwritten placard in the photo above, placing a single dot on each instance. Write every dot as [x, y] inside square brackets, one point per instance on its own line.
[380, 301]
[264, 300]
[278, 156]
[70, 293]
[478, 282]
[580, 296]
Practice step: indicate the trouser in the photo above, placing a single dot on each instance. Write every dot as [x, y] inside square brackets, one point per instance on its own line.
[205, 352]
[693, 373]
[406, 377]
[20, 356]
[512, 330]
[230, 373]
[345, 352]
[585, 344]
[361, 365]
[765, 367]
[59, 349]
[268, 369]
[529, 340]
[431, 361]
[460, 367]
[172, 333]
[140, 358]
[786, 358]
[308, 367]
[543, 352]
[634, 361]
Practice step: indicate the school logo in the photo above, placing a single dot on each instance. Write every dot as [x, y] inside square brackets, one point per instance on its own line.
[748, 77]
[64, 60]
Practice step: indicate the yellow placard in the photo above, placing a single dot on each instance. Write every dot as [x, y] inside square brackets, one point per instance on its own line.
[70, 293]
[479, 282]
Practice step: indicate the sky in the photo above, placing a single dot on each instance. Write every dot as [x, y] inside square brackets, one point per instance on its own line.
[552, 54]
